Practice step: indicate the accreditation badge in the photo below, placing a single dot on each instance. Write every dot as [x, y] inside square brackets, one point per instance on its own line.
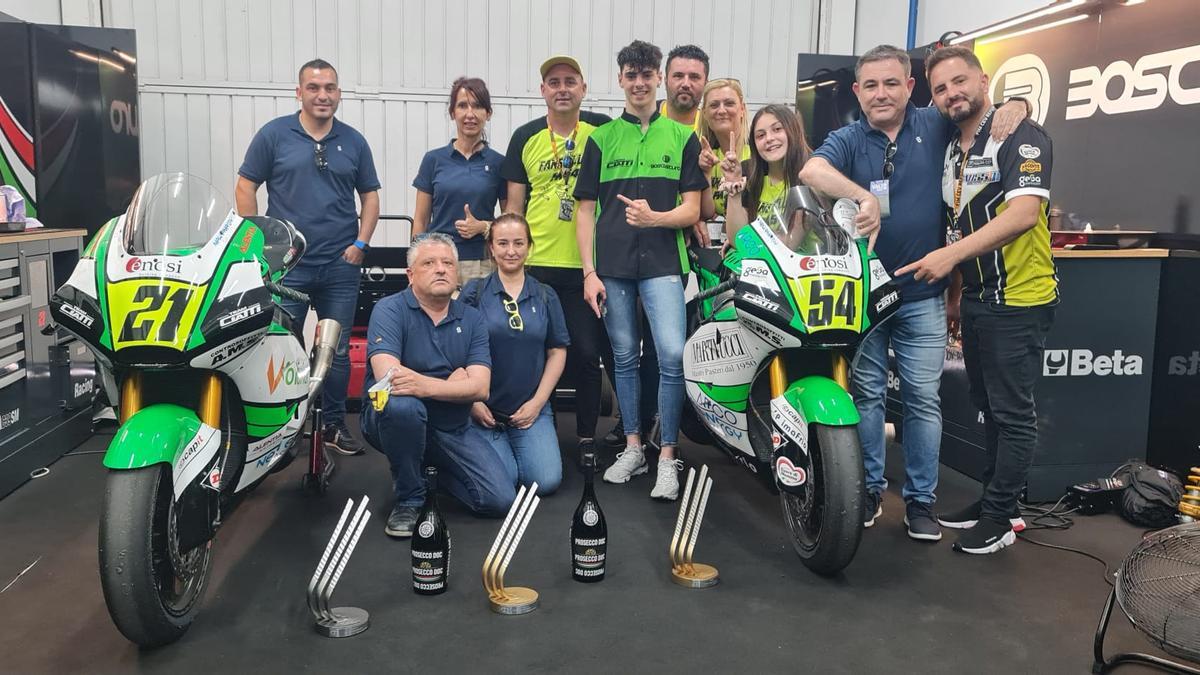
[566, 209]
[881, 189]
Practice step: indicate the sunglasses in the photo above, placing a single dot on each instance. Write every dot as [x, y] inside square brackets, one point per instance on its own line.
[888, 153]
[319, 157]
[514, 315]
[566, 160]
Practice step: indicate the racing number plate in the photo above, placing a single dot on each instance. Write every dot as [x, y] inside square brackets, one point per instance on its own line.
[153, 312]
[828, 302]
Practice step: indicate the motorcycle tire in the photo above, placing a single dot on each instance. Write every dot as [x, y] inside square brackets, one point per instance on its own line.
[148, 600]
[825, 524]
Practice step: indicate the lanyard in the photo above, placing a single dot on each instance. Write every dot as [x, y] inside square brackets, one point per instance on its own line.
[564, 163]
[962, 166]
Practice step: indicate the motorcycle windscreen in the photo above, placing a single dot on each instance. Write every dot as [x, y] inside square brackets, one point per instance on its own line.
[173, 214]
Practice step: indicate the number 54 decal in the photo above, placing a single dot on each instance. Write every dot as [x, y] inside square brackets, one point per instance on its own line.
[153, 313]
[828, 302]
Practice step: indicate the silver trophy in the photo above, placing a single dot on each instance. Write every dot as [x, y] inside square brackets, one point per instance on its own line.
[340, 621]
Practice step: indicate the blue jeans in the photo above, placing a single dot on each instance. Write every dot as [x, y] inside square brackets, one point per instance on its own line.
[469, 469]
[532, 454]
[662, 299]
[333, 290]
[917, 335]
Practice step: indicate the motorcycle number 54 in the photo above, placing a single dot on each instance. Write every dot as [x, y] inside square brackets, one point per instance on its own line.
[157, 313]
[828, 302]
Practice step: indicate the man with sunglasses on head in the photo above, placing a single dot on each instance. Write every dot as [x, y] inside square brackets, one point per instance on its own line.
[541, 167]
[313, 164]
[639, 191]
[890, 162]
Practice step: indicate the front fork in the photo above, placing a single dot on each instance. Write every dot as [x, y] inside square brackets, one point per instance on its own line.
[210, 398]
[779, 380]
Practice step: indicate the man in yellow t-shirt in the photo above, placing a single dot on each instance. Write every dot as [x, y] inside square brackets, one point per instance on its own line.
[541, 166]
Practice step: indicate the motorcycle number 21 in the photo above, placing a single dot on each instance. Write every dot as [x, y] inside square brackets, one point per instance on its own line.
[828, 302]
[156, 313]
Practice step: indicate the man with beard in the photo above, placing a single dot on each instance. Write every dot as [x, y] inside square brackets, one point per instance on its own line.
[996, 193]
[541, 167]
[313, 163]
[890, 162]
[687, 73]
[434, 351]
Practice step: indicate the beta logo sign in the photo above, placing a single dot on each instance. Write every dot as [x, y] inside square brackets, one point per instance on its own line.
[1083, 363]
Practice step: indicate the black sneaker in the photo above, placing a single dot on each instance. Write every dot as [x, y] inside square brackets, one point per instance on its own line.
[872, 508]
[401, 521]
[615, 438]
[987, 536]
[969, 515]
[339, 438]
[918, 516]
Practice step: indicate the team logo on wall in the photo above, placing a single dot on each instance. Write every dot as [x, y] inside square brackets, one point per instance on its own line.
[1026, 76]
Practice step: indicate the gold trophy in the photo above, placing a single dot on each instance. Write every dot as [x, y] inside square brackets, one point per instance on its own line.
[513, 599]
[684, 571]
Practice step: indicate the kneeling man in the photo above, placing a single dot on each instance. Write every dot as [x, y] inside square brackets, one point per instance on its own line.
[436, 351]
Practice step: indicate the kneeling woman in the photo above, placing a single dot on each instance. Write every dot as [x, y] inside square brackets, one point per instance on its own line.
[529, 339]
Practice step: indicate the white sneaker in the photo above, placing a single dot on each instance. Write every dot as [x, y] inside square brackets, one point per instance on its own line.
[666, 484]
[630, 462]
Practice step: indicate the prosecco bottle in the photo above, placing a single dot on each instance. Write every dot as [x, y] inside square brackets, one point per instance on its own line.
[589, 533]
[430, 543]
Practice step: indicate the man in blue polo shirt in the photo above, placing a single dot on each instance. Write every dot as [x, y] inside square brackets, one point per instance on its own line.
[435, 352]
[313, 164]
[890, 162]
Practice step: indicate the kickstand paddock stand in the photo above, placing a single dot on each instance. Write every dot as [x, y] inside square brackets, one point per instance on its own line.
[338, 622]
[1103, 665]
[320, 464]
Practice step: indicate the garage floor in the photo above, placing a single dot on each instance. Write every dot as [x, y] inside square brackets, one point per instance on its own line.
[901, 606]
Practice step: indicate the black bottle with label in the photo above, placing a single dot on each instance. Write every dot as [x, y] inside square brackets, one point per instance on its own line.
[589, 532]
[430, 543]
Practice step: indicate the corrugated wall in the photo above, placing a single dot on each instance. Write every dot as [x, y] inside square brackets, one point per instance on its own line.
[212, 72]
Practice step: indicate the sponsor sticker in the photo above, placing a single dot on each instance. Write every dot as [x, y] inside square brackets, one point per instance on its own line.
[83, 318]
[240, 314]
[826, 264]
[1031, 166]
[790, 422]
[887, 301]
[789, 474]
[756, 299]
[1029, 152]
[1029, 181]
[879, 275]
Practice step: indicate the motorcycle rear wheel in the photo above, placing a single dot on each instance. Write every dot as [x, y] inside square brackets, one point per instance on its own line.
[152, 591]
[825, 523]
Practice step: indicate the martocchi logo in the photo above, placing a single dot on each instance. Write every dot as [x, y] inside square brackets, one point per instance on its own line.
[1026, 76]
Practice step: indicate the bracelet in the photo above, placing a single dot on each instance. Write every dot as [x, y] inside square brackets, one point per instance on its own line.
[587, 274]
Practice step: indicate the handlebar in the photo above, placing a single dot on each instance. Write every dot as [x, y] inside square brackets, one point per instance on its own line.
[717, 290]
[284, 291]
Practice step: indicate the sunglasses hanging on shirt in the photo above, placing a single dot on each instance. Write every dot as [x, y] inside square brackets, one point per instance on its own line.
[888, 166]
[514, 315]
[319, 157]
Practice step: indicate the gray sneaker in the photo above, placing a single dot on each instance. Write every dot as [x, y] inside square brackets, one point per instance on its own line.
[666, 482]
[918, 516]
[630, 462]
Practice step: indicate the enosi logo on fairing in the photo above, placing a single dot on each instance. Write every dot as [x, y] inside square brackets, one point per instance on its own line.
[1082, 362]
[153, 265]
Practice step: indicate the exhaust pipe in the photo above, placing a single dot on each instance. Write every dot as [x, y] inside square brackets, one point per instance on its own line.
[328, 332]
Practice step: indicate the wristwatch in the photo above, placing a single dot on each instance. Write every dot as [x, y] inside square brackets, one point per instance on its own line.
[362, 245]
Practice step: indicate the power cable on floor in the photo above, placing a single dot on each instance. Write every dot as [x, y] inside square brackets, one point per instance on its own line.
[1055, 517]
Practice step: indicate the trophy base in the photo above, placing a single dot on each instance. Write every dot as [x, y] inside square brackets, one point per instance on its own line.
[347, 621]
[514, 600]
[695, 575]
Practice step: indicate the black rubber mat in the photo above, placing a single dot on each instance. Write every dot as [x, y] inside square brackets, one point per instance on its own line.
[901, 606]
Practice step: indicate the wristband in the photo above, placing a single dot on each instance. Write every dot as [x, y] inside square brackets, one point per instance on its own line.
[588, 273]
[362, 245]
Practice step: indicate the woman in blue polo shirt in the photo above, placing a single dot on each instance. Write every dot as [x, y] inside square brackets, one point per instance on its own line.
[528, 340]
[459, 184]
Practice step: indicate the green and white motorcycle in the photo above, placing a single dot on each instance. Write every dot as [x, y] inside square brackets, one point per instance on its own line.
[772, 333]
[177, 300]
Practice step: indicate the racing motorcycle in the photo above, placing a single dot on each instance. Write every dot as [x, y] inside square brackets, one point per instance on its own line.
[772, 333]
[177, 300]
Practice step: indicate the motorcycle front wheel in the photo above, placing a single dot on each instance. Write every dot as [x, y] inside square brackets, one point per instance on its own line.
[152, 590]
[825, 522]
